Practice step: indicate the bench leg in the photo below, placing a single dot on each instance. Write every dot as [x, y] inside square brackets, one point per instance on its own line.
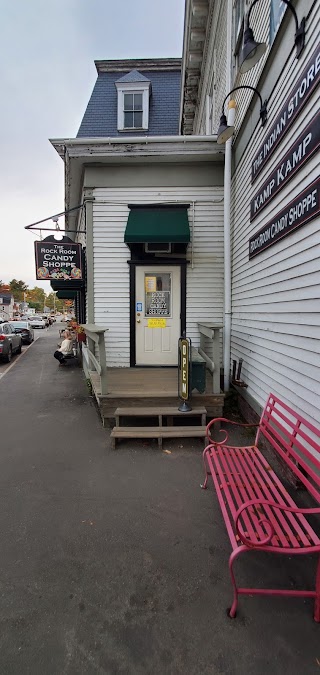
[234, 555]
[317, 600]
[207, 473]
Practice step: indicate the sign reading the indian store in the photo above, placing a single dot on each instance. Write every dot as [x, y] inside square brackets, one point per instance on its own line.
[296, 100]
[58, 259]
[303, 208]
[301, 150]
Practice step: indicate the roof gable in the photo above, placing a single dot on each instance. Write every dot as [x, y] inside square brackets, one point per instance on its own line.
[133, 76]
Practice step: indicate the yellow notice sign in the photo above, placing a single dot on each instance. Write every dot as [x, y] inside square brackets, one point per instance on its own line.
[151, 284]
[157, 323]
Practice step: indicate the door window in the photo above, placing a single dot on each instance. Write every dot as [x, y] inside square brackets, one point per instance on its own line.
[157, 294]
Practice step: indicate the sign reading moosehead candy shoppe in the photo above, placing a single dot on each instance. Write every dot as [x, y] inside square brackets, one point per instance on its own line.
[300, 94]
[299, 211]
[58, 259]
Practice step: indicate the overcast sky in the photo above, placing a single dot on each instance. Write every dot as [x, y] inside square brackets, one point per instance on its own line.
[47, 72]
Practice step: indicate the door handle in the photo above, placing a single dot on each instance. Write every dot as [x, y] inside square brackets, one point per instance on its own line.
[138, 321]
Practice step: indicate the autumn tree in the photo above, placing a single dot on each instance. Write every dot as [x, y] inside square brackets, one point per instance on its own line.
[36, 298]
[53, 302]
[4, 288]
[18, 288]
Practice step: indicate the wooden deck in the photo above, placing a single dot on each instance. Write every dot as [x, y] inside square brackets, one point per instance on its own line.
[149, 387]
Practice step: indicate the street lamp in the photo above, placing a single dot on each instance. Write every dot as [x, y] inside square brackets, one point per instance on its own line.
[225, 132]
[252, 51]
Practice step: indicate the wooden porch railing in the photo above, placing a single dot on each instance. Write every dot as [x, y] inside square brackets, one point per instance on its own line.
[95, 336]
[210, 331]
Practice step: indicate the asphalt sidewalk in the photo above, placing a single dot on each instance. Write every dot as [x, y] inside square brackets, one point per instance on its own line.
[116, 562]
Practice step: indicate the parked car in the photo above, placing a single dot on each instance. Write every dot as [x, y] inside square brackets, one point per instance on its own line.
[37, 322]
[10, 342]
[46, 319]
[25, 329]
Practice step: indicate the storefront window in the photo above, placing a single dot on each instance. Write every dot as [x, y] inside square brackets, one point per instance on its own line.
[157, 294]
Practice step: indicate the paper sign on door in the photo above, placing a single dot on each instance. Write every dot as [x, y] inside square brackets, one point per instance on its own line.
[151, 284]
[157, 323]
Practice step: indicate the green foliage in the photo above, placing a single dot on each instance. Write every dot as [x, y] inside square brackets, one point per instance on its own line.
[18, 288]
[35, 297]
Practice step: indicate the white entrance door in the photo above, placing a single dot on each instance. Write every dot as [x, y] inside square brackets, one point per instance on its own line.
[157, 315]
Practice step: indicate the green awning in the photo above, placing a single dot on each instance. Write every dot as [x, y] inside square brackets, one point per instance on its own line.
[157, 225]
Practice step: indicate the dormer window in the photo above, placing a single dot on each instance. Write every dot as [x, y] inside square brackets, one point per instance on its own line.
[133, 102]
[133, 110]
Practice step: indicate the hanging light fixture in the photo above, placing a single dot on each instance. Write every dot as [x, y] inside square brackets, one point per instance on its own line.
[225, 132]
[252, 51]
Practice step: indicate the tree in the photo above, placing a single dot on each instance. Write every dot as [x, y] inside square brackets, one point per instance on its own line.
[53, 302]
[36, 298]
[18, 289]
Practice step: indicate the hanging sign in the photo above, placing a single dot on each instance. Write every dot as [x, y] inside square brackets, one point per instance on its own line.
[296, 100]
[58, 259]
[184, 368]
[303, 208]
[299, 153]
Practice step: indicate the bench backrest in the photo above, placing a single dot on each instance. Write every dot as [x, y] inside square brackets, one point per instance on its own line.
[295, 439]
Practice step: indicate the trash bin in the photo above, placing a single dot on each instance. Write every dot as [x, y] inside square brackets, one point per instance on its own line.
[198, 371]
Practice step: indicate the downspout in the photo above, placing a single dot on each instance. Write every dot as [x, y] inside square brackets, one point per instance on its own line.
[226, 220]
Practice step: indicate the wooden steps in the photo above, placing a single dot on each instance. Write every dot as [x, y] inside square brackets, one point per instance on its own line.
[149, 387]
[161, 431]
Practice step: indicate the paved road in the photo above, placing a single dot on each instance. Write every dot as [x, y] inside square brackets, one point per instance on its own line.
[116, 562]
[5, 366]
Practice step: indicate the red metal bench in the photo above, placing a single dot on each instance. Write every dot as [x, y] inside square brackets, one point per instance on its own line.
[258, 511]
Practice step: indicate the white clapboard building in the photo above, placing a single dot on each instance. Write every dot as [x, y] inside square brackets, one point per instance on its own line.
[150, 220]
[271, 185]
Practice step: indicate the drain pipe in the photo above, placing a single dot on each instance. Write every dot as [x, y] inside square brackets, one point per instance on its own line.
[226, 218]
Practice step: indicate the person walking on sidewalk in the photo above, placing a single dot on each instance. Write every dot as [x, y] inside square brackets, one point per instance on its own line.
[65, 349]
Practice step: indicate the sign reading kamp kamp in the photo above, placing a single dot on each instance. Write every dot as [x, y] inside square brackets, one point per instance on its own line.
[300, 94]
[303, 208]
[301, 150]
[58, 260]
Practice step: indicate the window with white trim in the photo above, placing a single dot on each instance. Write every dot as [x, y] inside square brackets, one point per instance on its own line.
[133, 106]
[132, 110]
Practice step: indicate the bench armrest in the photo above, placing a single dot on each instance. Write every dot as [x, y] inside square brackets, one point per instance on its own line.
[224, 431]
[255, 503]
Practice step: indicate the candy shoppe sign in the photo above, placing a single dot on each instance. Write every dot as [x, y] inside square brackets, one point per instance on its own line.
[58, 259]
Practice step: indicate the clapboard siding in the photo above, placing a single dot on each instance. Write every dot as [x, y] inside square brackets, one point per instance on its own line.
[213, 77]
[276, 295]
[111, 269]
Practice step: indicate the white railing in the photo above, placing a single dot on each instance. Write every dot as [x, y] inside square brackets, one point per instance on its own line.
[211, 332]
[95, 336]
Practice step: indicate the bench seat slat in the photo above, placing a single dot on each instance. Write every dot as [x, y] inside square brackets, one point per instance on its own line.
[278, 490]
[243, 474]
[260, 487]
[257, 493]
[236, 487]
[273, 490]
